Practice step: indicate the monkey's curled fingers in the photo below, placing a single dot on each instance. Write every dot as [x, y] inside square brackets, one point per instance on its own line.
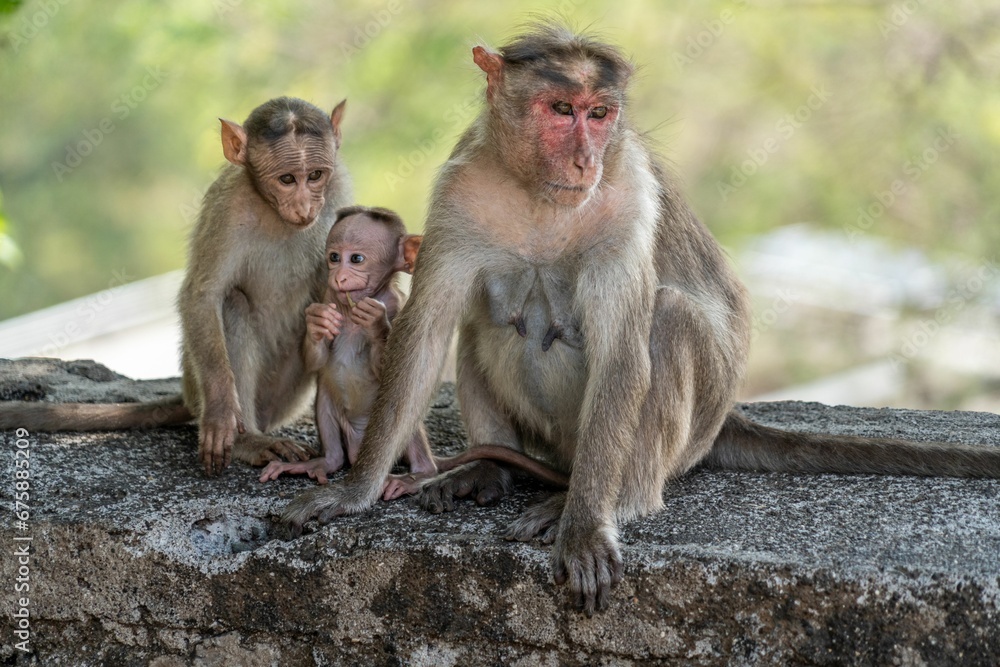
[485, 481]
[397, 486]
[324, 503]
[259, 449]
[216, 434]
[371, 314]
[315, 468]
[590, 561]
[323, 321]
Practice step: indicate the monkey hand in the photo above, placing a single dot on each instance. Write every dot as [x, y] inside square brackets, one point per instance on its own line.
[323, 321]
[216, 435]
[587, 558]
[325, 503]
[370, 315]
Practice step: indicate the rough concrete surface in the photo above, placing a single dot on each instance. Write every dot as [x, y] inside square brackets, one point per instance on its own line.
[138, 559]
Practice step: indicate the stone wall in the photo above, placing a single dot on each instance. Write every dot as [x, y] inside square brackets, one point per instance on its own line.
[137, 558]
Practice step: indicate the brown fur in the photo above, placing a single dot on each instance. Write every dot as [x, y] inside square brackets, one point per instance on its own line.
[600, 325]
[252, 269]
[344, 340]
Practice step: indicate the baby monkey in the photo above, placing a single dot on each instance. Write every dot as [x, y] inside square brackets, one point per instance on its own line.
[345, 336]
[344, 340]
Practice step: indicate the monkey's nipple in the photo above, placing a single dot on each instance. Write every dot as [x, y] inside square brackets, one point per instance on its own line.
[518, 322]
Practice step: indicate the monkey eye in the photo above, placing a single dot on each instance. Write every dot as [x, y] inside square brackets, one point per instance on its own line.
[287, 179]
[334, 257]
[563, 108]
[315, 175]
[357, 258]
[598, 112]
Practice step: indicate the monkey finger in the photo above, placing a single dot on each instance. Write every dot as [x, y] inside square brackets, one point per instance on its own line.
[300, 452]
[205, 454]
[361, 319]
[559, 571]
[316, 309]
[489, 496]
[391, 489]
[371, 306]
[335, 318]
[317, 473]
[604, 583]
[273, 471]
[271, 457]
[437, 498]
[318, 322]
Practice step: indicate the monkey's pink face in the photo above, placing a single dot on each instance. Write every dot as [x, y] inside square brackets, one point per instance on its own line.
[357, 267]
[572, 132]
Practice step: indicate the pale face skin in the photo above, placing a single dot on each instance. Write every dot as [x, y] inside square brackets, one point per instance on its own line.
[345, 336]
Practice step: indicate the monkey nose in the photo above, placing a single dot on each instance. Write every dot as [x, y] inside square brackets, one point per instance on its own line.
[584, 160]
[304, 214]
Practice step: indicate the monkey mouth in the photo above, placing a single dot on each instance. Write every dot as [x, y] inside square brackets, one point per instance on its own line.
[351, 297]
[566, 188]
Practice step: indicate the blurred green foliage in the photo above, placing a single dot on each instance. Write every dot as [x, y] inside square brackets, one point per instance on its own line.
[110, 133]
[10, 254]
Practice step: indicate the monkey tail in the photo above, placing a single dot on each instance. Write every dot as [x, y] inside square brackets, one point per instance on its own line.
[746, 445]
[501, 454]
[39, 416]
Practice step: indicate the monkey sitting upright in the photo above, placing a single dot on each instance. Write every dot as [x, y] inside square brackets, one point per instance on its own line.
[253, 267]
[345, 336]
[599, 323]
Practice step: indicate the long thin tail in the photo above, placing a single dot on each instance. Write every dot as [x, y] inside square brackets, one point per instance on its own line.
[746, 445]
[39, 416]
[502, 454]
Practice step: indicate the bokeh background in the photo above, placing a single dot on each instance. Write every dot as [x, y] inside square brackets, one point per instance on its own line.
[845, 153]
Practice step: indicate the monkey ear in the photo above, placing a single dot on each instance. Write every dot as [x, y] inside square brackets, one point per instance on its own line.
[406, 259]
[234, 142]
[335, 118]
[491, 63]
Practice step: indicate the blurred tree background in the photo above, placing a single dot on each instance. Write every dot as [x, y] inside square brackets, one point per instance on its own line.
[772, 112]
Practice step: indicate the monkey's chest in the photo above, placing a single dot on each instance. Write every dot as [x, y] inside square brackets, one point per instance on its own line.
[531, 342]
[349, 379]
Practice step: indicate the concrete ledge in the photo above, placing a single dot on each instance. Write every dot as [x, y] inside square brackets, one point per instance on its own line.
[138, 559]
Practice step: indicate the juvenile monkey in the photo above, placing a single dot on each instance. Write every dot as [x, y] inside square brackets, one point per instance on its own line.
[599, 323]
[253, 267]
[345, 335]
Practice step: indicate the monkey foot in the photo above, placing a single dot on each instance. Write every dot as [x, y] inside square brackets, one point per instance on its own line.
[541, 520]
[323, 503]
[587, 559]
[397, 486]
[317, 469]
[485, 481]
[258, 449]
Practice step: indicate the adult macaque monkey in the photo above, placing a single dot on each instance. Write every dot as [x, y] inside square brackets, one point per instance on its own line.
[599, 323]
[253, 267]
[345, 336]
